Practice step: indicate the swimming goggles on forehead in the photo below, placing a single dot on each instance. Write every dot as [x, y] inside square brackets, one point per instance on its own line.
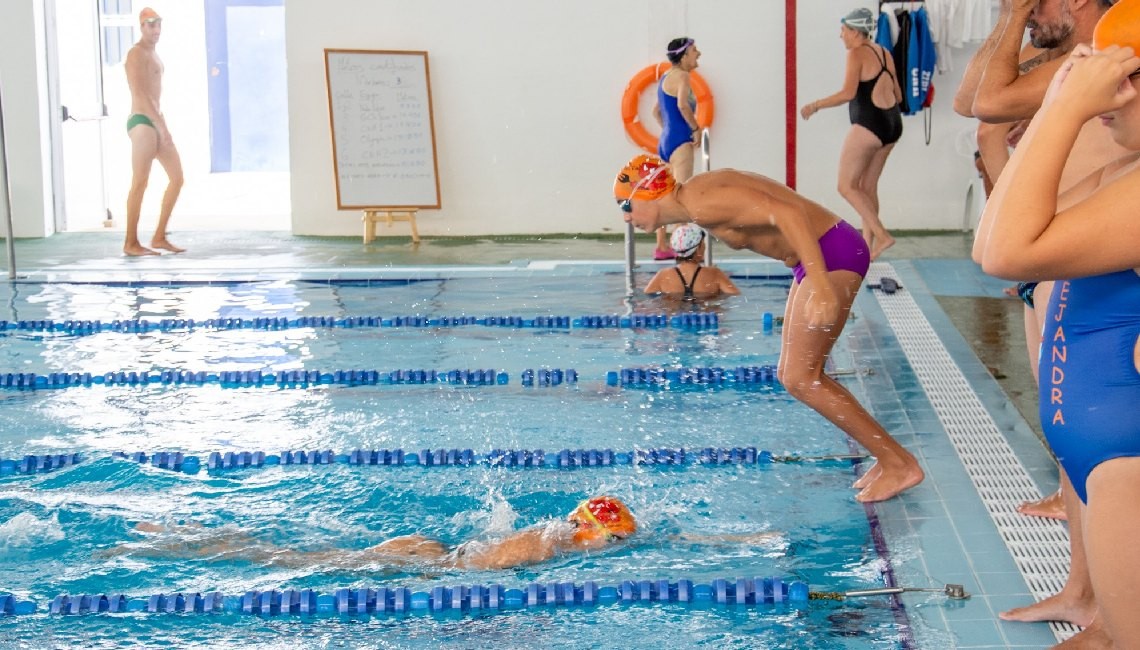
[682, 47]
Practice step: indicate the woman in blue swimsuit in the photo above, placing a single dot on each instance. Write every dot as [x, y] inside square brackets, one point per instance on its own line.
[1089, 372]
[872, 93]
[676, 112]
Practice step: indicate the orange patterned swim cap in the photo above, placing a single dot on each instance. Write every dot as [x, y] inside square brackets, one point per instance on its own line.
[645, 177]
[603, 515]
[148, 15]
[1120, 25]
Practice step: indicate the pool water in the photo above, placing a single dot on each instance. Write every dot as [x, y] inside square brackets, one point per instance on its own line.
[72, 531]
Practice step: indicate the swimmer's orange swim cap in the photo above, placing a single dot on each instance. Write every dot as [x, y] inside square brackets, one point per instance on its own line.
[148, 15]
[1120, 25]
[645, 177]
[603, 514]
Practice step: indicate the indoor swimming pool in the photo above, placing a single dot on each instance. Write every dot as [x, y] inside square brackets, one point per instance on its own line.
[496, 403]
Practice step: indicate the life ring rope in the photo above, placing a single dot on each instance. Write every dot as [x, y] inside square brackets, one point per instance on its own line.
[651, 74]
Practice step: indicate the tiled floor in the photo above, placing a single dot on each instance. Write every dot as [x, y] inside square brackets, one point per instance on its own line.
[979, 326]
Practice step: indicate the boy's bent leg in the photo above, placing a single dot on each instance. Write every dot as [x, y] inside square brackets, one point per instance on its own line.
[803, 355]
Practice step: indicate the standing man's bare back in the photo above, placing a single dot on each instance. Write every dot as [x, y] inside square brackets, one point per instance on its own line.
[150, 139]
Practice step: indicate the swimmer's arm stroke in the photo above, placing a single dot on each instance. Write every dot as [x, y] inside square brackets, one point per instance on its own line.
[1029, 238]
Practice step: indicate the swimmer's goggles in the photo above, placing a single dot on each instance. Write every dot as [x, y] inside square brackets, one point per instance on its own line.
[624, 205]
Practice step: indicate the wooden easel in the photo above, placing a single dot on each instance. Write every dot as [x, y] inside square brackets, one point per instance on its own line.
[372, 216]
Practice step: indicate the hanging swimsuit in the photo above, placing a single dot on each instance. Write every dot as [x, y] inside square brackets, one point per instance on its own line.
[1088, 382]
[675, 130]
[885, 123]
[688, 285]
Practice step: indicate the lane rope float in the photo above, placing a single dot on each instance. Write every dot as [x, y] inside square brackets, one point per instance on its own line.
[465, 599]
[508, 458]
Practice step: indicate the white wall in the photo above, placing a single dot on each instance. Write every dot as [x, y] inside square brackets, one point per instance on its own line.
[24, 88]
[527, 107]
[526, 100]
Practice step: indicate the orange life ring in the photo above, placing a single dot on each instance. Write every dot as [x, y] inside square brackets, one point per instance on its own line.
[648, 75]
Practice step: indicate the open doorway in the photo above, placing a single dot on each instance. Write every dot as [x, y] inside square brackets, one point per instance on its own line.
[223, 96]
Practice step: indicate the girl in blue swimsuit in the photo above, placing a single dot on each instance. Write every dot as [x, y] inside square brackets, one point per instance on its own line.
[1089, 373]
[676, 112]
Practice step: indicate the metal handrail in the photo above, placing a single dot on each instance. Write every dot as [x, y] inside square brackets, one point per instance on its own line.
[10, 233]
[706, 162]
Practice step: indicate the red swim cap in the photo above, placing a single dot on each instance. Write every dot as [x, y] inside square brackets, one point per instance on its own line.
[1120, 25]
[645, 177]
[603, 514]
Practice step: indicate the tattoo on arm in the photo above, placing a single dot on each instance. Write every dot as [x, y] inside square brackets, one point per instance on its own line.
[1029, 64]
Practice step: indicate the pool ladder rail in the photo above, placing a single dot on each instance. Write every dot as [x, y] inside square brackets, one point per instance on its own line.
[464, 599]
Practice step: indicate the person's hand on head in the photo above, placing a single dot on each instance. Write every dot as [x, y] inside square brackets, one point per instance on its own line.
[1092, 83]
[1024, 6]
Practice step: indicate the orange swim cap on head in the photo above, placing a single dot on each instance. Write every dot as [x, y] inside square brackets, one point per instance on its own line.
[645, 177]
[1120, 25]
[148, 15]
[605, 513]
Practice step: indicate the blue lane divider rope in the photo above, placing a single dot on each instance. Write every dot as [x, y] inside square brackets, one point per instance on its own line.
[459, 599]
[284, 378]
[692, 320]
[521, 458]
[704, 376]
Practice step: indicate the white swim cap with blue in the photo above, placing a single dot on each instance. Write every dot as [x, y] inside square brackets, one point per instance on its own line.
[861, 19]
[686, 239]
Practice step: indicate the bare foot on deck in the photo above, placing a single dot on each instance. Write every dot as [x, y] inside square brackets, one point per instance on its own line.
[890, 484]
[137, 250]
[1050, 507]
[870, 475]
[1059, 607]
[882, 243]
[165, 245]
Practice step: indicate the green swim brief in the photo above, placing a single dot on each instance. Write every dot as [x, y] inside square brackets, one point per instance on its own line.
[136, 119]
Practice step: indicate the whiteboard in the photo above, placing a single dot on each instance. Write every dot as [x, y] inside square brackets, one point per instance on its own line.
[383, 138]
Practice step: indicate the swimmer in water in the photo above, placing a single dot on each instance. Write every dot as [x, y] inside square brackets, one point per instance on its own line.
[594, 524]
[682, 280]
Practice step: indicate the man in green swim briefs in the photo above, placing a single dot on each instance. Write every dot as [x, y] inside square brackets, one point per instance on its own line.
[150, 139]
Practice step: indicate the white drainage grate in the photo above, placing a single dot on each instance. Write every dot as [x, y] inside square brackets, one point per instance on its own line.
[1039, 547]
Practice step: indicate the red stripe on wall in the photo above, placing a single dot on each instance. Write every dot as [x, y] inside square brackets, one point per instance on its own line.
[790, 112]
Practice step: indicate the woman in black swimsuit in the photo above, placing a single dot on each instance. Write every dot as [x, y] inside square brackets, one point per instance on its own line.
[681, 280]
[872, 94]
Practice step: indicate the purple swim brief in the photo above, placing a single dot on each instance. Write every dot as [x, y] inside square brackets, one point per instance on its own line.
[843, 248]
